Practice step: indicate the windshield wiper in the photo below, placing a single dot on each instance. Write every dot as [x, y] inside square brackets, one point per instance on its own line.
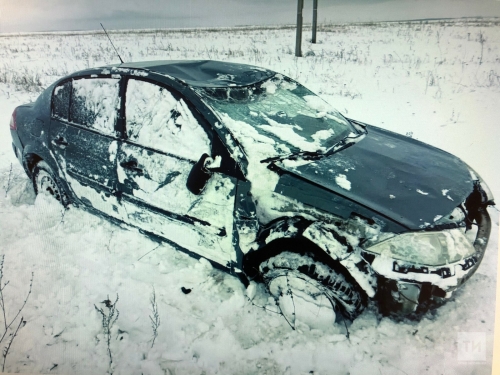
[315, 155]
[362, 125]
[304, 155]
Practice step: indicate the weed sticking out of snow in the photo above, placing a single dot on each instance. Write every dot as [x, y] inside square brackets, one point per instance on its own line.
[11, 324]
[154, 317]
[109, 315]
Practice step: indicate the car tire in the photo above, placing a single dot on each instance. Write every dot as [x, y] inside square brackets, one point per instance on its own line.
[291, 277]
[46, 182]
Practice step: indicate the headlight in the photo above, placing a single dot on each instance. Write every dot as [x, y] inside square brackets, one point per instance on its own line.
[426, 248]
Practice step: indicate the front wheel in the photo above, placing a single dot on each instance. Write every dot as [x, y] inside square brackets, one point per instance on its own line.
[45, 182]
[310, 292]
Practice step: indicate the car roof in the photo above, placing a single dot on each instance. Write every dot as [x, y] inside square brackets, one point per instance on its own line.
[205, 73]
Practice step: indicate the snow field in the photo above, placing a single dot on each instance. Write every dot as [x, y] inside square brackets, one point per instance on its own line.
[438, 82]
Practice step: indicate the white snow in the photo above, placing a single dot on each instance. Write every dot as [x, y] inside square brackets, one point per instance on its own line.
[287, 134]
[422, 192]
[270, 87]
[321, 135]
[445, 194]
[342, 181]
[113, 148]
[213, 163]
[318, 104]
[256, 147]
[405, 77]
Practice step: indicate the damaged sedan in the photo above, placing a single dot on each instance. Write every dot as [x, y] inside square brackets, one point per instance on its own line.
[249, 169]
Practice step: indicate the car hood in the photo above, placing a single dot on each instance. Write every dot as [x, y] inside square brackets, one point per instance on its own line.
[402, 179]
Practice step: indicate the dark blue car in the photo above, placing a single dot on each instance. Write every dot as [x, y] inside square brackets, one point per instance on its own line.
[251, 170]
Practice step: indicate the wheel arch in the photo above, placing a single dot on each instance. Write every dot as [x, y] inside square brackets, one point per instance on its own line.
[302, 246]
[30, 160]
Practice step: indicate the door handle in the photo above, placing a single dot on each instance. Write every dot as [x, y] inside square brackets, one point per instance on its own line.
[131, 165]
[60, 142]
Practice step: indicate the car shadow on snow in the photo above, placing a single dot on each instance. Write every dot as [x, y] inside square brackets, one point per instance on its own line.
[19, 189]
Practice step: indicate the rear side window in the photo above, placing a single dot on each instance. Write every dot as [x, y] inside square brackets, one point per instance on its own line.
[95, 103]
[60, 101]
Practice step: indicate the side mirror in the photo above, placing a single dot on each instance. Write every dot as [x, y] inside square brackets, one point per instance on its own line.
[199, 176]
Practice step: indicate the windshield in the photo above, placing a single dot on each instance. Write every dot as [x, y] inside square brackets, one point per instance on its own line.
[279, 113]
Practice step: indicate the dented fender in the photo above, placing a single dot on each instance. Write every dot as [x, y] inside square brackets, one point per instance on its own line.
[335, 243]
[339, 247]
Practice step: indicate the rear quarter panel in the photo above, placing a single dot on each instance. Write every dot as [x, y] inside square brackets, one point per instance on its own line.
[33, 121]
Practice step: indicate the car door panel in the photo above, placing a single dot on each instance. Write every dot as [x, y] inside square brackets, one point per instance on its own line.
[87, 157]
[157, 200]
[164, 138]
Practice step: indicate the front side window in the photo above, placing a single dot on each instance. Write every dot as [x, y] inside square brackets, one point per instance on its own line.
[60, 101]
[95, 103]
[157, 119]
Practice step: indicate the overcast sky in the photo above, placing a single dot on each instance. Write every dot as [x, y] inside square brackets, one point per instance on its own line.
[50, 15]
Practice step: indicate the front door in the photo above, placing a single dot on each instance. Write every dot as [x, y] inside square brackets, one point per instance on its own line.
[164, 139]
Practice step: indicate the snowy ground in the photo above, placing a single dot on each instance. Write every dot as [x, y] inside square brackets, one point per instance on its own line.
[437, 82]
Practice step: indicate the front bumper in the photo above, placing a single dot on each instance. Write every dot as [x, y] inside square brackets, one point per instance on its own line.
[407, 288]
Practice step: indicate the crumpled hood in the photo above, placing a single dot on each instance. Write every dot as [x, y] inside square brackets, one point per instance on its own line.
[408, 181]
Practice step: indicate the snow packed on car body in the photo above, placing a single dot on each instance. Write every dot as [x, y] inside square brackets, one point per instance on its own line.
[249, 169]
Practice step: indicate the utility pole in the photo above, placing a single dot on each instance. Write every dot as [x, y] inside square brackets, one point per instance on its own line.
[298, 40]
[315, 20]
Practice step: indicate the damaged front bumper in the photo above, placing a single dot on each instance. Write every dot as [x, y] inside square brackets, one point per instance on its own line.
[406, 288]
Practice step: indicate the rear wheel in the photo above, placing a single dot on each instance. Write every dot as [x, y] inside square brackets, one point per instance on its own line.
[45, 182]
[310, 292]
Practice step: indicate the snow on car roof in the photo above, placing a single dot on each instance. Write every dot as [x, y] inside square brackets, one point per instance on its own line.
[205, 73]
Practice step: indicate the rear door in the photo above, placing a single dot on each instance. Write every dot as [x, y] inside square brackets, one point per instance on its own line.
[84, 140]
[165, 137]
